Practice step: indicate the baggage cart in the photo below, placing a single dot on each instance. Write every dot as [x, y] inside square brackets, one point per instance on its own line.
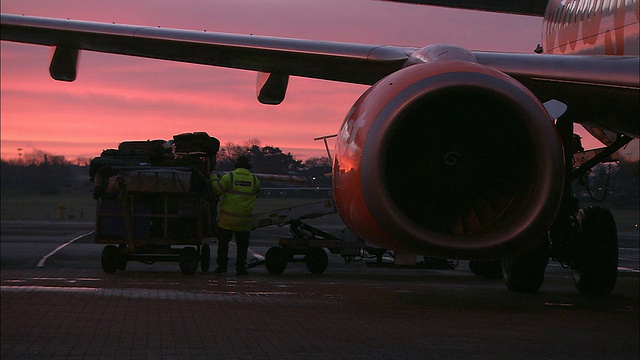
[154, 204]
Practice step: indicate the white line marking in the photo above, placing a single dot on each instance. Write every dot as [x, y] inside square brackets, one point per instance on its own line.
[42, 261]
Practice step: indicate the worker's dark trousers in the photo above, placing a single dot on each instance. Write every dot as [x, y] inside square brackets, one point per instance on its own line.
[242, 242]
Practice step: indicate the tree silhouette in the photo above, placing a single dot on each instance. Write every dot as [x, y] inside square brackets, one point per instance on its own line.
[267, 160]
[43, 173]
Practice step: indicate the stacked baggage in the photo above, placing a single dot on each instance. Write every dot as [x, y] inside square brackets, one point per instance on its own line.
[153, 195]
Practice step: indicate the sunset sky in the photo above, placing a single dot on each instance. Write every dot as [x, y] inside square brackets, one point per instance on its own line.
[117, 98]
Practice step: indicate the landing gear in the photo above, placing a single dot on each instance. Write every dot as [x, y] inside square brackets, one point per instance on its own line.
[525, 272]
[585, 240]
[595, 265]
[486, 269]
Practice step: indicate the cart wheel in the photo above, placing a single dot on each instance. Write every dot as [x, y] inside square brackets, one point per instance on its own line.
[122, 257]
[275, 260]
[122, 262]
[110, 259]
[188, 260]
[317, 261]
[205, 257]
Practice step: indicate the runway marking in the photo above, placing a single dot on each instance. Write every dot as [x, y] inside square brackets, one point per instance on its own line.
[258, 256]
[48, 288]
[560, 304]
[44, 259]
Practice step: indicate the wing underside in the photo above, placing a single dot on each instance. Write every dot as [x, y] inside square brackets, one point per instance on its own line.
[530, 8]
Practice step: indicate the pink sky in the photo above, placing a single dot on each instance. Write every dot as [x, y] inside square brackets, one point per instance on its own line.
[117, 98]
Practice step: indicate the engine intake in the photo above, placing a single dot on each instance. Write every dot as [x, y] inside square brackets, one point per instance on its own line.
[459, 161]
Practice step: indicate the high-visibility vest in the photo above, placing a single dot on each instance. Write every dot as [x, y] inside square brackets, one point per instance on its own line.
[239, 190]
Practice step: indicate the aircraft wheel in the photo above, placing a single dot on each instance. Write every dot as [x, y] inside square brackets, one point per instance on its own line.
[110, 258]
[525, 272]
[317, 260]
[595, 269]
[205, 257]
[275, 260]
[188, 260]
[486, 269]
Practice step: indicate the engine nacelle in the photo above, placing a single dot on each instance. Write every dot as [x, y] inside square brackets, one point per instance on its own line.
[450, 159]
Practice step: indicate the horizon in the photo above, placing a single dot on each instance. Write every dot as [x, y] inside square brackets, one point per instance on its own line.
[33, 153]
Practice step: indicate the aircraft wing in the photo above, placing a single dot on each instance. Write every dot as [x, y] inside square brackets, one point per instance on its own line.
[587, 84]
[600, 89]
[355, 63]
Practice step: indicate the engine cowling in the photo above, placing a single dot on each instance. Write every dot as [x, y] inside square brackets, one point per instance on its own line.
[450, 159]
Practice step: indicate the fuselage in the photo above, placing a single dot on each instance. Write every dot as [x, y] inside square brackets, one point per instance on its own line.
[591, 27]
[595, 27]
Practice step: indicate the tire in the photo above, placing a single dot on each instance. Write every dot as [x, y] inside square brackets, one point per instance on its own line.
[122, 258]
[525, 273]
[486, 269]
[595, 267]
[205, 257]
[110, 259]
[188, 260]
[317, 260]
[122, 262]
[276, 260]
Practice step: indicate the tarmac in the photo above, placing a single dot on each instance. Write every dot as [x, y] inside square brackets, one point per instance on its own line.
[70, 309]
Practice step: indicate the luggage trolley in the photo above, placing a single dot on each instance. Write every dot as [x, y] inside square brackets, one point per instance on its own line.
[308, 243]
[156, 211]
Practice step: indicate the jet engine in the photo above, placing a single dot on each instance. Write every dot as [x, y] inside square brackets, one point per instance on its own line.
[450, 159]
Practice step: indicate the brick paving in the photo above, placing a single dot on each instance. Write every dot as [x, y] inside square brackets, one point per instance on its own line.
[356, 314]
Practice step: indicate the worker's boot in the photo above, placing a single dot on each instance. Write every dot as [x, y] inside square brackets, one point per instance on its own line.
[220, 270]
[241, 270]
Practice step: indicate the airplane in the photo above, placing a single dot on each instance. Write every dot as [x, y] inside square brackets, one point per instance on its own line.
[449, 153]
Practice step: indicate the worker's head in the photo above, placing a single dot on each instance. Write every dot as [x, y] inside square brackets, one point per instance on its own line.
[243, 162]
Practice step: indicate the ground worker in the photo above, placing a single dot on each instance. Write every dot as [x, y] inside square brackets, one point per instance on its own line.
[239, 190]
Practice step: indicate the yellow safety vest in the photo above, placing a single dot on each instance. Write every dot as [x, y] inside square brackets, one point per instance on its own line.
[239, 190]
